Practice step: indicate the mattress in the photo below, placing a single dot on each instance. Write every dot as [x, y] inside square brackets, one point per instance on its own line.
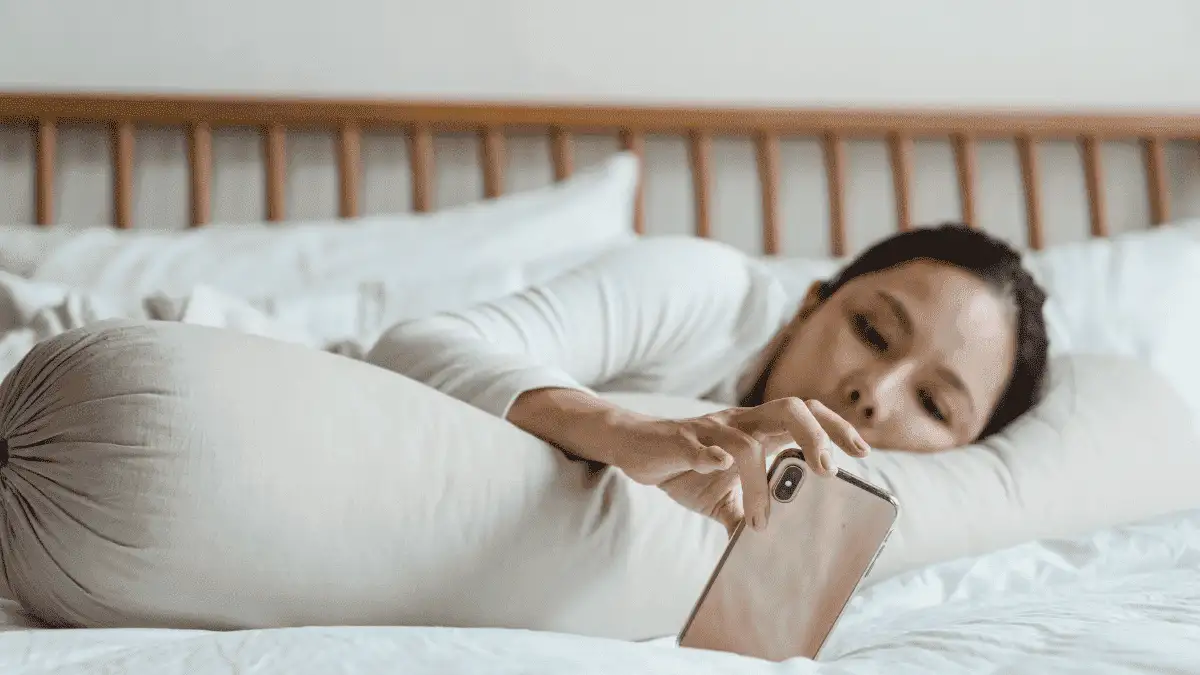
[1122, 600]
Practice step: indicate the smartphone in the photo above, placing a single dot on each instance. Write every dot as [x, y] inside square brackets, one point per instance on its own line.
[777, 594]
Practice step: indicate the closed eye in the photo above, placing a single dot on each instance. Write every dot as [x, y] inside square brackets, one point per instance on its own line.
[930, 405]
[867, 332]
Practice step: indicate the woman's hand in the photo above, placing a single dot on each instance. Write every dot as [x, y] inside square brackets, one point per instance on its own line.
[716, 464]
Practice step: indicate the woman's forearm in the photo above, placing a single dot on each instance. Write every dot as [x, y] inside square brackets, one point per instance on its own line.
[573, 420]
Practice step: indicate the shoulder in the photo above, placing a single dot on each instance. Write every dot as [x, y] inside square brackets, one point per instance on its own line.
[707, 281]
[676, 250]
[697, 263]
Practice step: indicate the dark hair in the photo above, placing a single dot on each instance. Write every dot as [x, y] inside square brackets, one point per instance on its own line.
[995, 263]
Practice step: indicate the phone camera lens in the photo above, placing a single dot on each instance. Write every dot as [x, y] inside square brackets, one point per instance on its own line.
[788, 483]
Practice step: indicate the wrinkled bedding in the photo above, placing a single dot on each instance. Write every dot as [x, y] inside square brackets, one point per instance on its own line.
[32, 311]
[1122, 600]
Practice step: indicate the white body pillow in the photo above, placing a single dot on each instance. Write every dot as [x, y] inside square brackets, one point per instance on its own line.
[164, 474]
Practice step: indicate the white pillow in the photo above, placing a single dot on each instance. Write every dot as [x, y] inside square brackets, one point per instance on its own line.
[164, 474]
[1133, 295]
[1130, 295]
[451, 258]
[1110, 443]
[798, 274]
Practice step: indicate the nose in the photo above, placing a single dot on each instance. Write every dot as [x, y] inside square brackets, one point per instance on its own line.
[870, 396]
[867, 407]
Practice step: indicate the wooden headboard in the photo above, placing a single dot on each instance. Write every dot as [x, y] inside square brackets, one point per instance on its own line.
[832, 129]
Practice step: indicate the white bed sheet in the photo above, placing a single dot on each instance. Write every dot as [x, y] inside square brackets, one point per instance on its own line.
[1123, 600]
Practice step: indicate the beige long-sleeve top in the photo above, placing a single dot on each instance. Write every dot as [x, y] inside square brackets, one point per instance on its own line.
[678, 316]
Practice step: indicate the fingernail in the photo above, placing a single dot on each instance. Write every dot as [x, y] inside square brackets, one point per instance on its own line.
[863, 448]
[827, 464]
[760, 522]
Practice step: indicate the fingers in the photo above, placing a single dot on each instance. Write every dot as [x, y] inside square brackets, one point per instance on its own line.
[751, 460]
[811, 424]
[717, 496]
[739, 434]
[729, 511]
[842, 432]
[794, 417]
[731, 525]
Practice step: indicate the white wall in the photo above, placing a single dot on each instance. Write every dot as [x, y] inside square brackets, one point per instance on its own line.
[1038, 52]
[1050, 53]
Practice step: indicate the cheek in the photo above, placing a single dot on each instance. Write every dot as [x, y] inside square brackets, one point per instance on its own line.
[840, 352]
[822, 353]
[847, 352]
[912, 431]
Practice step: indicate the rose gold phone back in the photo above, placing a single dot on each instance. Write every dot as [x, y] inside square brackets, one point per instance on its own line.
[778, 593]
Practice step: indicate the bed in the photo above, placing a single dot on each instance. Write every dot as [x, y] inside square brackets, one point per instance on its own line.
[1122, 599]
[1119, 601]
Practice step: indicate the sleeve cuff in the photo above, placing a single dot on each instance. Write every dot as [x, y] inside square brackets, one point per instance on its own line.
[498, 397]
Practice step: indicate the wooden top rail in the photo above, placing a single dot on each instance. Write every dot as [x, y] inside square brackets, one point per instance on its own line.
[177, 109]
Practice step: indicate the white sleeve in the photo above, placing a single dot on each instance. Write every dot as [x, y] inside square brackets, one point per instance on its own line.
[656, 305]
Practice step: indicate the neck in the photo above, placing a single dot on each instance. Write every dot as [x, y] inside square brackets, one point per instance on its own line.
[752, 385]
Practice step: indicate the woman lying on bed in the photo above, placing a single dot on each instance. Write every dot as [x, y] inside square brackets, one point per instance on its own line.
[929, 340]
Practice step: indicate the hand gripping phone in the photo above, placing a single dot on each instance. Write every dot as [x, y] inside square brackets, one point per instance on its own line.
[777, 594]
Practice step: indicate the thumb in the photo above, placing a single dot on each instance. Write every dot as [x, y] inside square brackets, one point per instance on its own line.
[703, 458]
[710, 458]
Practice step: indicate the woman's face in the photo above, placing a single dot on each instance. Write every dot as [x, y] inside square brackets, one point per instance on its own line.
[916, 357]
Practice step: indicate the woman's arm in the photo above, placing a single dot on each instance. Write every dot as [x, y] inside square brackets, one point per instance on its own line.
[574, 420]
[656, 307]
